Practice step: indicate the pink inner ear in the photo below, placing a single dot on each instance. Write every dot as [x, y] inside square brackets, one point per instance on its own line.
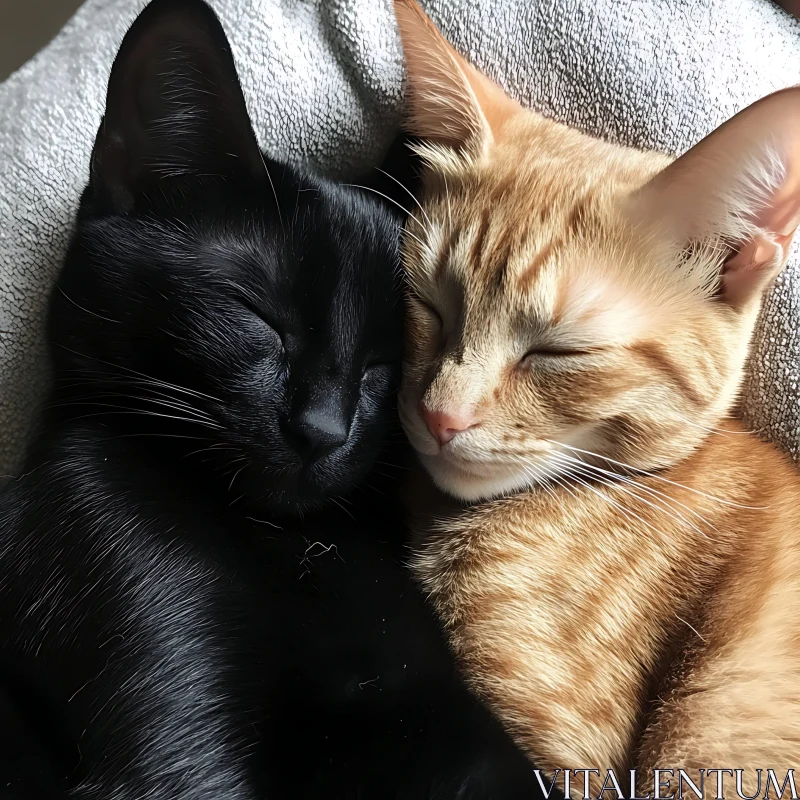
[740, 184]
[752, 267]
[759, 260]
[783, 214]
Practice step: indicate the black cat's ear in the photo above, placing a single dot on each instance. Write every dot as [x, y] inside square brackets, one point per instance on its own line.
[174, 108]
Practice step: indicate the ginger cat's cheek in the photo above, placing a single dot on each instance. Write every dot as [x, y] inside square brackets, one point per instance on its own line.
[580, 316]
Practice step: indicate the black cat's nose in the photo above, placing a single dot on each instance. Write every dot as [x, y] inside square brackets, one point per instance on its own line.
[316, 432]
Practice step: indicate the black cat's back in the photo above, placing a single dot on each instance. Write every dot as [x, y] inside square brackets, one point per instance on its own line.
[139, 627]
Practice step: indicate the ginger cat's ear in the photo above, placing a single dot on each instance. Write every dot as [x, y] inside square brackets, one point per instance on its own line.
[741, 185]
[449, 101]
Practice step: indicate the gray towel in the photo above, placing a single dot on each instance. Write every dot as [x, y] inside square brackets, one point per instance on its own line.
[323, 82]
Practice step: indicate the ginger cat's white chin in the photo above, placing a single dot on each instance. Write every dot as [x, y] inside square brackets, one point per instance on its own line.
[494, 480]
[471, 480]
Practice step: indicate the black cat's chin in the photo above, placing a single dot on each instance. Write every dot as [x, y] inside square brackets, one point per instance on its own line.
[289, 505]
[297, 490]
[298, 496]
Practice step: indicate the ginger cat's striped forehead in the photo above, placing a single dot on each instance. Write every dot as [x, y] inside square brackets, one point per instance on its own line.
[566, 292]
[512, 240]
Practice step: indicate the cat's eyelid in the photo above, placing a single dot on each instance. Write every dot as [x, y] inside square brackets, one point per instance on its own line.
[257, 312]
[426, 304]
[385, 363]
[547, 351]
[254, 309]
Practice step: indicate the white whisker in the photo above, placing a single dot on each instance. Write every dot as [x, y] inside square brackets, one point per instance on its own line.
[387, 198]
[690, 627]
[236, 475]
[407, 232]
[274, 192]
[720, 431]
[127, 411]
[656, 477]
[619, 506]
[449, 209]
[671, 512]
[126, 371]
[408, 192]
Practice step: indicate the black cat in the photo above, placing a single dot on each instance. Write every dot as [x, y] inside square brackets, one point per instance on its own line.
[201, 590]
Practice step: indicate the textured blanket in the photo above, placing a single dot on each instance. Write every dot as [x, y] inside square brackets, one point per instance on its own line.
[323, 82]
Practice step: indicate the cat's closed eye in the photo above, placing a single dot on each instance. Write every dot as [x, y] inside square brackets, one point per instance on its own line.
[546, 351]
[380, 364]
[262, 317]
[378, 373]
[427, 308]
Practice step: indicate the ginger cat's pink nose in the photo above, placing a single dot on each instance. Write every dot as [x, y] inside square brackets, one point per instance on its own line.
[444, 426]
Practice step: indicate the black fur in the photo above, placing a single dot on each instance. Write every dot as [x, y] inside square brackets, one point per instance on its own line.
[201, 584]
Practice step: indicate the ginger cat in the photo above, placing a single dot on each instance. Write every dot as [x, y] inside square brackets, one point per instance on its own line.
[619, 571]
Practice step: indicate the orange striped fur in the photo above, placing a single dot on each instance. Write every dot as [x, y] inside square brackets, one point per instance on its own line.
[614, 557]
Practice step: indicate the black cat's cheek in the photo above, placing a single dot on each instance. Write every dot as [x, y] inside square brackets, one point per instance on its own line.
[379, 376]
[378, 387]
[273, 340]
[257, 335]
